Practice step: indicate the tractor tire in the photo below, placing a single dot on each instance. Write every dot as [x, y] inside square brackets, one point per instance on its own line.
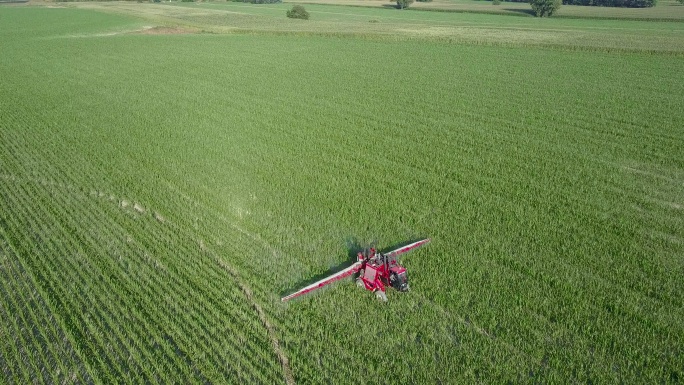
[359, 283]
[380, 295]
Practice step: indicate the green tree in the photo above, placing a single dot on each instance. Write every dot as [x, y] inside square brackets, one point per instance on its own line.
[401, 4]
[543, 8]
[298, 12]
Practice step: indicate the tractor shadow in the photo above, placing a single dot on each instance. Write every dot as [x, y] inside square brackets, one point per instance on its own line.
[353, 246]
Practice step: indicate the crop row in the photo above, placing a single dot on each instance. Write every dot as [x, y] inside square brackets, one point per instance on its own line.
[553, 209]
[106, 276]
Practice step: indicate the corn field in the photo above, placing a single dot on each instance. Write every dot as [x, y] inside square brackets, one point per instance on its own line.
[159, 194]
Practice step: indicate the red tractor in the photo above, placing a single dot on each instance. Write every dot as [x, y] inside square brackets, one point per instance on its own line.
[376, 270]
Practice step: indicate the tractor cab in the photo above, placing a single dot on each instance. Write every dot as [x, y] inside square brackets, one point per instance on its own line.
[399, 278]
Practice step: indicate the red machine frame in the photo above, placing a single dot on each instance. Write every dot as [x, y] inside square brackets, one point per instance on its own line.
[375, 272]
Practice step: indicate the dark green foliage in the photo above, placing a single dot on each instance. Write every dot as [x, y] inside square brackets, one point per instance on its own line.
[615, 3]
[401, 4]
[606, 3]
[544, 8]
[423, 1]
[496, 2]
[258, 1]
[298, 12]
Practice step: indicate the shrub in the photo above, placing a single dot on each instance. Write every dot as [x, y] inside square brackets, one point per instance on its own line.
[614, 3]
[543, 8]
[258, 1]
[298, 12]
[496, 2]
[401, 4]
[605, 3]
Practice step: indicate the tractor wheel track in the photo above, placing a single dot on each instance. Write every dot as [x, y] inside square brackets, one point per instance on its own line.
[111, 198]
[287, 372]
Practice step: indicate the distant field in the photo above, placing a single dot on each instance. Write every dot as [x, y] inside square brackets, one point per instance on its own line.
[388, 23]
[169, 171]
[664, 10]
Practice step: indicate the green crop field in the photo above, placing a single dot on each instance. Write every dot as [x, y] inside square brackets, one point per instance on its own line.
[169, 171]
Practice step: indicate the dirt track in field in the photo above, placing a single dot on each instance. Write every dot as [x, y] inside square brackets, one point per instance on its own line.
[287, 372]
[165, 31]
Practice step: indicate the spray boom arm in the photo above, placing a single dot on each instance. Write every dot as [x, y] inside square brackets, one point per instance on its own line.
[354, 268]
[325, 281]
